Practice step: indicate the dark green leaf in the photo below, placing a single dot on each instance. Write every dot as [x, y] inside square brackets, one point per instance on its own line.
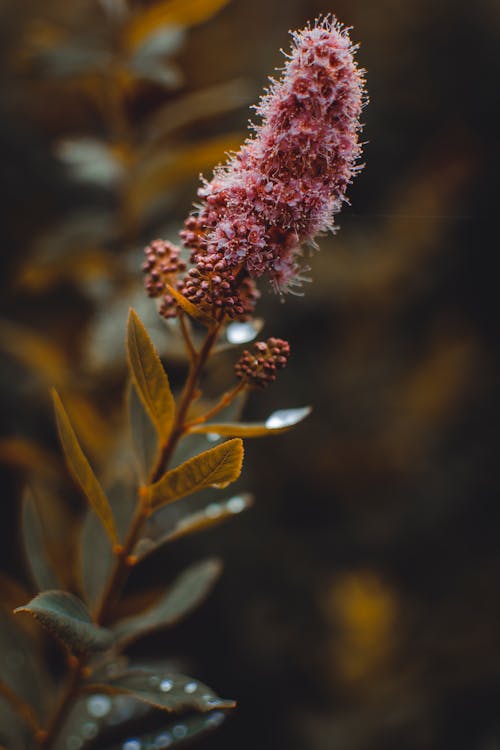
[176, 733]
[149, 377]
[35, 545]
[216, 467]
[143, 434]
[187, 592]
[82, 471]
[210, 515]
[67, 617]
[165, 690]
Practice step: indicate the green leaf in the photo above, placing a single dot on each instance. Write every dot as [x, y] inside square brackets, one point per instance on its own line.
[176, 733]
[165, 690]
[35, 545]
[143, 434]
[186, 593]
[149, 377]
[67, 617]
[97, 559]
[278, 421]
[214, 513]
[189, 308]
[82, 471]
[216, 467]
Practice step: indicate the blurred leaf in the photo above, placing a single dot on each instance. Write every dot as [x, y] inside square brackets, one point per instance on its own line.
[147, 21]
[177, 733]
[216, 467]
[157, 71]
[82, 471]
[186, 593]
[96, 558]
[96, 555]
[35, 545]
[167, 691]
[91, 160]
[150, 378]
[188, 307]
[25, 454]
[67, 617]
[185, 110]
[34, 352]
[162, 170]
[211, 515]
[279, 421]
[143, 434]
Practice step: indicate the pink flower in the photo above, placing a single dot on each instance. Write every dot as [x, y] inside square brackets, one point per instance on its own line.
[286, 183]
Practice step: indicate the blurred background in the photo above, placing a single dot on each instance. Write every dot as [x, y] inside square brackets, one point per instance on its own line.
[359, 608]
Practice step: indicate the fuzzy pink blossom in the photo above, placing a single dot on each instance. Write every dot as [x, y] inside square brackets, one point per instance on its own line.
[286, 183]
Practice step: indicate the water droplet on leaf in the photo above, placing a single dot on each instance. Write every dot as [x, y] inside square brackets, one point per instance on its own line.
[166, 686]
[287, 417]
[98, 705]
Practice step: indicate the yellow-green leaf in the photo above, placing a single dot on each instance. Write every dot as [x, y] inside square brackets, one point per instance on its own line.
[278, 421]
[82, 471]
[189, 308]
[150, 379]
[169, 12]
[216, 467]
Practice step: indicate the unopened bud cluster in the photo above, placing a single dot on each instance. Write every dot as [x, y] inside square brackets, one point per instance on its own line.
[258, 367]
[162, 266]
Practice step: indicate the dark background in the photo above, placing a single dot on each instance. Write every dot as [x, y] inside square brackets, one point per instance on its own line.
[359, 609]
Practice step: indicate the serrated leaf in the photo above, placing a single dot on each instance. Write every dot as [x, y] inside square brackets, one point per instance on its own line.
[82, 471]
[189, 308]
[213, 514]
[67, 617]
[165, 690]
[149, 377]
[279, 421]
[168, 13]
[35, 546]
[187, 592]
[216, 467]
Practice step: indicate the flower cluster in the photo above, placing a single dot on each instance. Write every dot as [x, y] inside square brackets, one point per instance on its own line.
[286, 182]
[258, 368]
[282, 187]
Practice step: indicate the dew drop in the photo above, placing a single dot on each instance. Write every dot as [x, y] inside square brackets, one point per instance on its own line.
[179, 731]
[287, 417]
[166, 686]
[132, 744]
[241, 333]
[163, 740]
[89, 730]
[213, 510]
[191, 687]
[73, 742]
[236, 504]
[99, 706]
[212, 437]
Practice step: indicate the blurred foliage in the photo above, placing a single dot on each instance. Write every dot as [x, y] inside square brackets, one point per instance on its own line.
[360, 603]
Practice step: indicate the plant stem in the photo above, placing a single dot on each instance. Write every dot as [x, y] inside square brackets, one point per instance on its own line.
[21, 708]
[224, 401]
[124, 560]
[186, 398]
